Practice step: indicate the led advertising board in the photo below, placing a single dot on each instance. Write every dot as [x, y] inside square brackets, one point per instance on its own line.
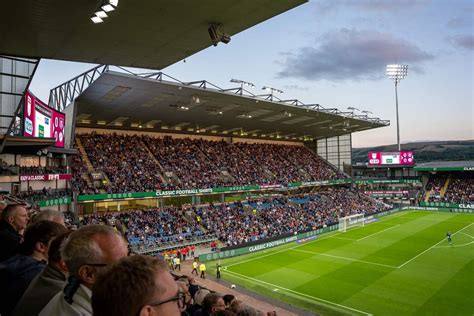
[42, 121]
[391, 158]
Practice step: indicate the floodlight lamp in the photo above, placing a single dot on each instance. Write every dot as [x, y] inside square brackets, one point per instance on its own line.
[101, 14]
[396, 71]
[96, 19]
[109, 5]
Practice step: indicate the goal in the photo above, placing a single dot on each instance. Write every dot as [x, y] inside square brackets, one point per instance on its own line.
[350, 221]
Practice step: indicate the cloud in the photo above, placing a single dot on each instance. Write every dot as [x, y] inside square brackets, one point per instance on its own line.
[351, 54]
[326, 6]
[463, 41]
[295, 87]
[460, 22]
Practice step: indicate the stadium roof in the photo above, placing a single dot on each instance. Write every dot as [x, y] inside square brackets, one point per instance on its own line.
[467, 165]
[148, 103]
[148, 34]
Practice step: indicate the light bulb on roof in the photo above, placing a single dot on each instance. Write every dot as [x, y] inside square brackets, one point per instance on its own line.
[101, 14]
[109, 5]
[96, 19]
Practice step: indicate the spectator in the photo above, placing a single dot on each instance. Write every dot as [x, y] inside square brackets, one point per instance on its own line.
[46, 284]
[17, 272]
[50, 215]
[14, 221]
[212, 302]
[137, 285]
[87, 252]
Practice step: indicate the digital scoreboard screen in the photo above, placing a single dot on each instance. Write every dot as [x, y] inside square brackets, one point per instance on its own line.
[391, 158]
[42, 121]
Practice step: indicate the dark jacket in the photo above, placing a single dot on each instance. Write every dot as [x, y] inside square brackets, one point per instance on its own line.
[9, 240]
[16, 274]
[42, 289]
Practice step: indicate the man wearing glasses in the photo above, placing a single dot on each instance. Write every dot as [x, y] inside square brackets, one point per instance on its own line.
[87, 253]
[137, 285]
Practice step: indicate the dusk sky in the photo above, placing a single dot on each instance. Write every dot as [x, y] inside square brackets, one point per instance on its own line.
[334, 52]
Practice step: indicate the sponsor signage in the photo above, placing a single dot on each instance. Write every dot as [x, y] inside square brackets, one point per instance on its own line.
[42, 121]
[265, 245]
[421, 168]
[135, 195]
[386, 193]
[46, 177]
[374, 181]
[391, 158]
[448, 205]
[53, 202]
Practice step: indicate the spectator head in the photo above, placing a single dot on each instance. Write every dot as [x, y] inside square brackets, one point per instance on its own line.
[38, 238]
[137, 285]
[54, 253]
[213, 302]
[236, 305]
[16, 215]
[185, 289]
[49, 215]
[3, 204]
[228, 299]
[248, 311]
[90, 249]
[199, 296]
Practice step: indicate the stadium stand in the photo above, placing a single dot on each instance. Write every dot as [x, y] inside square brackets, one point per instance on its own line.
[237, 222]
[184, 163]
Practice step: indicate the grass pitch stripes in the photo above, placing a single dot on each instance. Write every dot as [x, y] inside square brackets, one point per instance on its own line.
[401, 265]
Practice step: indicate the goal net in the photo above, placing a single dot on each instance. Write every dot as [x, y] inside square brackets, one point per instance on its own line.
[350, 221]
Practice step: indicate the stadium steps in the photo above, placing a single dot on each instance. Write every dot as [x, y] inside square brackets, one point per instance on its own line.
[427, 196]
[84, 156]
[224, 173]
[444, 189]
[162, 171]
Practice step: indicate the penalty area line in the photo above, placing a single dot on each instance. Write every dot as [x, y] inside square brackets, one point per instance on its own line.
[344, 258]
[309, 297]
[434, 246]
[377, 232]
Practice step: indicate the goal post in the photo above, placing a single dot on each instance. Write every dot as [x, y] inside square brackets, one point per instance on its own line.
[350, 221]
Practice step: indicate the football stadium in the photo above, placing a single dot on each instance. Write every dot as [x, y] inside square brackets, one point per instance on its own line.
[131, 191]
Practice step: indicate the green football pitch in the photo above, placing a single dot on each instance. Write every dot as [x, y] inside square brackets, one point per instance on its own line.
[399, 265]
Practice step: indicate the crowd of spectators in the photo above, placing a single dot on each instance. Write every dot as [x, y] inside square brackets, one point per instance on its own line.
[237, 222]
[460, 188]
[185, 163]
[33, 196]
[434, 186]
[150, 228]
[188, 163]
[124, 160]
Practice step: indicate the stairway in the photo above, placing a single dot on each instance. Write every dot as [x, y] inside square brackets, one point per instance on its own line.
[152, 156]
[443, 190]
[88, 163]
[85, 159]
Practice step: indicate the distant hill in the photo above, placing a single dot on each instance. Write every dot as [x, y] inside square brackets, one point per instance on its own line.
[425, 151]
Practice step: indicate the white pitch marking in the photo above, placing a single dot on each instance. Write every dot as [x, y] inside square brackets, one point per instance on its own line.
[402, 265]
[344, 258]
[310, 242]
[377, 233]
[297, 293]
